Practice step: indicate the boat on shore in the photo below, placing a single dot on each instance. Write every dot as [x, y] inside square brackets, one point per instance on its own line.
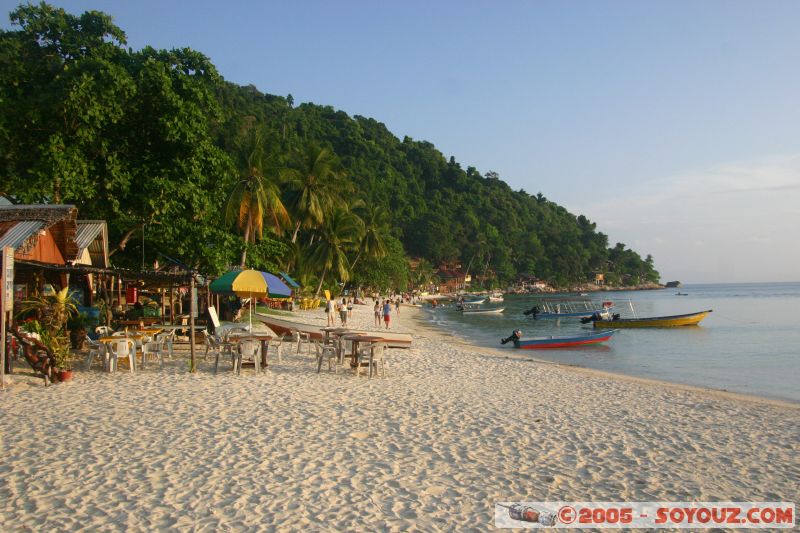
[286, 327]
[567, 341]
[496, 297]
[673, 321]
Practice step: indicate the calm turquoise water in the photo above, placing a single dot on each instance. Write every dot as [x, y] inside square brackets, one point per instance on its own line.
[749, 344]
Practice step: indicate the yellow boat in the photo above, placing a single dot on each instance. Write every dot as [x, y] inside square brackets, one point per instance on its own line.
[691, 319]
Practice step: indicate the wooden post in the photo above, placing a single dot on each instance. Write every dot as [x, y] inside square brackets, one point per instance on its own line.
[172, 304]
[163, 305]
[191, 323]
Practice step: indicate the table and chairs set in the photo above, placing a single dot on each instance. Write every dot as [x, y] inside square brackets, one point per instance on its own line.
[340, 347]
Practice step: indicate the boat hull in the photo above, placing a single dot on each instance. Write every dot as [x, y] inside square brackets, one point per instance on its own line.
[690, 319]
[546, 343]
[482, 311]
[580, 314]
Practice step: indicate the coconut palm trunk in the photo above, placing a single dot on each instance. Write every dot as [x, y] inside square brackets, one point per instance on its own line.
[321, 279]
[246, 239]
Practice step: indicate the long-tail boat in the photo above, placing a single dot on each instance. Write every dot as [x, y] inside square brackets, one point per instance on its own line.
[689, 319]
[569, 341]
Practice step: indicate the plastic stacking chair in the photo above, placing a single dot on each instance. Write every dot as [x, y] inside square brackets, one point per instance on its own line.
[327, 352]
[299, 337]
[121, 349]
[248, 350]
[372, 354]
[169, 339]
[153, 350]
[276, 344]
[96, 349]
[217, 348]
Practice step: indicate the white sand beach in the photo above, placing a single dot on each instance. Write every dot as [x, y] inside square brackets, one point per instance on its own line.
[451, 430]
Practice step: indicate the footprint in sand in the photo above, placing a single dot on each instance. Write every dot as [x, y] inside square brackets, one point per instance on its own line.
[359, 435]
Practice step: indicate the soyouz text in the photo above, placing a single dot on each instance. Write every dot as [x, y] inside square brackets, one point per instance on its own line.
[656, 515]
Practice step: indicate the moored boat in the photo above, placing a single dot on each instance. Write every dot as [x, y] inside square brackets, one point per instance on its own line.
[480, 311]
[566, 341]
[689, 319]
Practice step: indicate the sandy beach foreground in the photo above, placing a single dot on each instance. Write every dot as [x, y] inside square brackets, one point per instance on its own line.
[451, 430]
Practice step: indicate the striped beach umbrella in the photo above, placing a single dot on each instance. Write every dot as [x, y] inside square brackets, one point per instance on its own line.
[249, 284]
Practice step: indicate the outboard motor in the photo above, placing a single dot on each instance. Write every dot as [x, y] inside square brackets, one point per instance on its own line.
[532, 311]
[515, 336]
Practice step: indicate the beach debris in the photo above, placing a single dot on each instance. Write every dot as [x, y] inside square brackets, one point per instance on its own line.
[524, 513]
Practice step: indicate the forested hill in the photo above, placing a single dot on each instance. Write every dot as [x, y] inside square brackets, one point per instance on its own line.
[443, 212]
[157, 143]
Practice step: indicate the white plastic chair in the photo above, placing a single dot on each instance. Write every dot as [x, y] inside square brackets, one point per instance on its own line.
[248, 350]
[96, 349]
[103, 331]
[328, 352]
[372, 354]
[153, 350]
[300, 337]
[217, 348]
[276, 343]
[120, 350]
[168, 338]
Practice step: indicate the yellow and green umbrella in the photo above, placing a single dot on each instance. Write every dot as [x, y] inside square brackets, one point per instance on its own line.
[249, 284]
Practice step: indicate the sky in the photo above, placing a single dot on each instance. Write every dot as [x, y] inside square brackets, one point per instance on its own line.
[675, 126]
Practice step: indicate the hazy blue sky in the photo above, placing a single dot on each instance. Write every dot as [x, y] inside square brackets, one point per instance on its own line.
[673, 125]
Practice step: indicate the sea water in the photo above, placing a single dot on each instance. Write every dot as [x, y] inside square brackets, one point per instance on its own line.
[750, 343]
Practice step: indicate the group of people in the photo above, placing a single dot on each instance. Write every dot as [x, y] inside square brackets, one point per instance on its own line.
[383, 311]
[343, 308]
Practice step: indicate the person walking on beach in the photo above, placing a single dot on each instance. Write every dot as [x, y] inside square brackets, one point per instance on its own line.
[329, 312]
[377, 313]
[343, 311]
[397, 305]
[387, 312]
[350, 308]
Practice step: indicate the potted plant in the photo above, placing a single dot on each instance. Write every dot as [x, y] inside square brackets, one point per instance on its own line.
[60, 347]
[53, 312]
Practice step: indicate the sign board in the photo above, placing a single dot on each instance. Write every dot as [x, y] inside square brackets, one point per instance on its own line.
[8, 278]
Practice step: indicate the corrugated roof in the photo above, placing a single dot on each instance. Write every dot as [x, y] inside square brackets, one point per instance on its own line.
[88, 230]
[91, 234]
[20, 232]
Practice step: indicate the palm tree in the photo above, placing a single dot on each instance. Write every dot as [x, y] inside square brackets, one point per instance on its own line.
[376, 225]
[255, 197]
[313, 177]
[340, 233]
